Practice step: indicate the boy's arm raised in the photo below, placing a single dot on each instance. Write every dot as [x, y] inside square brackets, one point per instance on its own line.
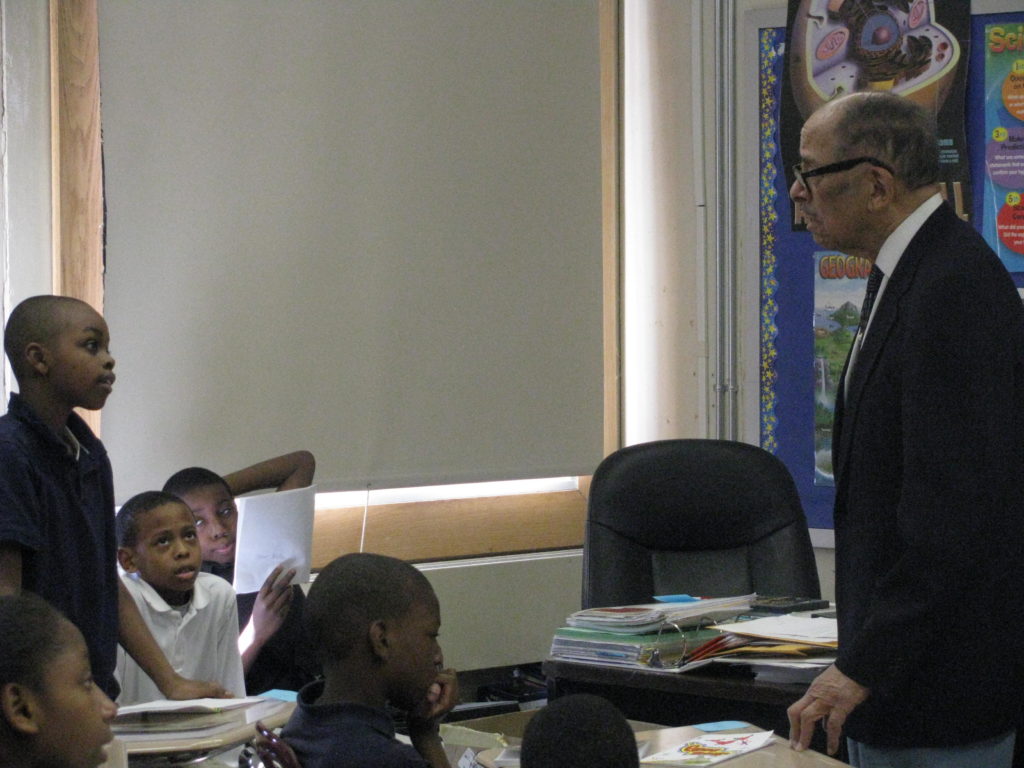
[138, 641]
[283, 473]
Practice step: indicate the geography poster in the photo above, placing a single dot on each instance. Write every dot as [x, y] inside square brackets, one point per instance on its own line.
[839, 284]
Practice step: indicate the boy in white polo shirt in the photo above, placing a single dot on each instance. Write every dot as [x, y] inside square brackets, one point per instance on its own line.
[192, 615]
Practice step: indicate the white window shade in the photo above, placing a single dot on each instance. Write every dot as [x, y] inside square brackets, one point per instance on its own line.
[370, 229]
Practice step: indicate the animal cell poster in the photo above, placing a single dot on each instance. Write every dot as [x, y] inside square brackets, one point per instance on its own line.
[915, 48]
[1003, 184]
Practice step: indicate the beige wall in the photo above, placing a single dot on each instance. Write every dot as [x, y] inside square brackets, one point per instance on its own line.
[500, 612]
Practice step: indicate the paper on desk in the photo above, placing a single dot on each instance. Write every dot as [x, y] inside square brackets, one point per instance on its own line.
[186, 705]
[707, 750]
[797, 629]
[273, 528]
[507, 758]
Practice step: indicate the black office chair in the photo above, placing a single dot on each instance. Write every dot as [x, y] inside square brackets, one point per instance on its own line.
[701, 517]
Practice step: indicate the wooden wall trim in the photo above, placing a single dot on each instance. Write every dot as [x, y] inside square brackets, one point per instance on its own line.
[76, 156]
[76, 151]
[445, 530]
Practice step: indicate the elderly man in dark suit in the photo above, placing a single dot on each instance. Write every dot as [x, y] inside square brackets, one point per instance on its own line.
[928, 454]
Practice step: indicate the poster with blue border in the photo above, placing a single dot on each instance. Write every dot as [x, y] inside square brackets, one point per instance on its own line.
[1003, 179]
[793, 381]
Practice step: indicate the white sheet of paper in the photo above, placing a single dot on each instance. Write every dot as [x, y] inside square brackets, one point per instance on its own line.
[786, 627]
[273, 528]
[187, 705]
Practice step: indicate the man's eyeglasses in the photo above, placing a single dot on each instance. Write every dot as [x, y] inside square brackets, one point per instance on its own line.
[843, 165]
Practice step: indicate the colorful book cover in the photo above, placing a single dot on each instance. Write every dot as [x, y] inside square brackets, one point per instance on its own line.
[708, 750]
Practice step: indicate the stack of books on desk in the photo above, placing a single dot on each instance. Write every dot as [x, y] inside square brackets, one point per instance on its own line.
[779, 649]
[646, 651]
[652, 636]
[652, 617]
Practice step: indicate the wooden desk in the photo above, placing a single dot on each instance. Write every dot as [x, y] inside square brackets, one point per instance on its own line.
[775, 755]
[720, 693]
[171, 748]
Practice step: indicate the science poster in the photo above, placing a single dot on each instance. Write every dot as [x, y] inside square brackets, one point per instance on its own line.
[1003, 185]
[915, 48]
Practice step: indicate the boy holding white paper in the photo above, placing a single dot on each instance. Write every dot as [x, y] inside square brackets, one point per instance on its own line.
[277, 653]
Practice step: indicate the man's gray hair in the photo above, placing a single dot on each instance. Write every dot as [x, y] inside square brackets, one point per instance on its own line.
[893, 129]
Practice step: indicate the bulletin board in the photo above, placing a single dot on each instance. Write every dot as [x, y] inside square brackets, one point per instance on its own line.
[793, 357]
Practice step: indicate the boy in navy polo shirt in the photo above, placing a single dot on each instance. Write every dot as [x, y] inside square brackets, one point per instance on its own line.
[374, 621]
[56, 489]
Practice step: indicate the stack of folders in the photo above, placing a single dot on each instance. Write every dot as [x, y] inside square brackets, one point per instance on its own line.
[783, 649]
[650, 651]
[654, 636]
[779, 648]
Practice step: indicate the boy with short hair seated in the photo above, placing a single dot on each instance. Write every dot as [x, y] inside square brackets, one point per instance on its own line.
[581, 729]
[276, 653]
[374, 621]
[52, 714]
[191, 614]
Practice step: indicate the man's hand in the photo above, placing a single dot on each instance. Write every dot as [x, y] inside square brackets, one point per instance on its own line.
[831, 697]
[183, 688]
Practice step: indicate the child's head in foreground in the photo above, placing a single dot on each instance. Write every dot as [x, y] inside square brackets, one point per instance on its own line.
[52, 714]
[377, 616]
[157, 539]
[581, 729]
[210, 499]
[61, 345]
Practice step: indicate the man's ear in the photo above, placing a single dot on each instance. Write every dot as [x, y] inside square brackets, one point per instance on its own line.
[126, 558]
[20, 708]
[378, 634]
[883, 187]
[38, 358]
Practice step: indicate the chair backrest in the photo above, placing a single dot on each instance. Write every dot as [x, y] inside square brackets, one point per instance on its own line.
[702, 517]
[272, 750]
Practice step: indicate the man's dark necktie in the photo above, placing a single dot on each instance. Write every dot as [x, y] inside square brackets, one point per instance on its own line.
[874, 280]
